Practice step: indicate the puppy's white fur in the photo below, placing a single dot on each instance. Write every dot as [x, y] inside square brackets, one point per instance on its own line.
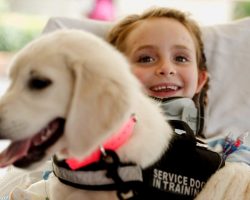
[94, 90]
[229, 183]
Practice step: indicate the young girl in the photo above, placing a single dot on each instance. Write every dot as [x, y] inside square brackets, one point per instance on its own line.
[166, 52]
[165, 49]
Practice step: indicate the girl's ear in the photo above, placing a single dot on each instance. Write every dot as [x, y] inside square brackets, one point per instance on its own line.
[202, 79]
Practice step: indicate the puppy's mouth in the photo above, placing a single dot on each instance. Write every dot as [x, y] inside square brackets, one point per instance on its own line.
[24, 152]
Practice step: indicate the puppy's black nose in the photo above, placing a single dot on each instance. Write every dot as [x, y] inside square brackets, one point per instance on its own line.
[3, 136]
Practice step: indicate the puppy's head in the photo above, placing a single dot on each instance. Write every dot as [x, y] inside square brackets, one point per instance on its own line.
[69, 91]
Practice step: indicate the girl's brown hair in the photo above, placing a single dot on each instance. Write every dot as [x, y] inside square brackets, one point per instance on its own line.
[120, 32]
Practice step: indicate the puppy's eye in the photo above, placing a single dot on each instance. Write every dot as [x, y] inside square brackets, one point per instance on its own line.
[39, 83]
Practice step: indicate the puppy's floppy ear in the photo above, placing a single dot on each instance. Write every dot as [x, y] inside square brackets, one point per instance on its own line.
[97, 109]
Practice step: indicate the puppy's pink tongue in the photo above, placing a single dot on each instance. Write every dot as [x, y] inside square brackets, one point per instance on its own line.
[15, 151]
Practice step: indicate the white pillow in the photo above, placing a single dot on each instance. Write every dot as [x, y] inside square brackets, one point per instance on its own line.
[227, 49]
[99, 28]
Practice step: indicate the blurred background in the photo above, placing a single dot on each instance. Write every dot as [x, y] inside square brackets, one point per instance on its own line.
[23, 20]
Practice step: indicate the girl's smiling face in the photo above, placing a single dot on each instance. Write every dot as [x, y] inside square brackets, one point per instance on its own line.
[163, 57]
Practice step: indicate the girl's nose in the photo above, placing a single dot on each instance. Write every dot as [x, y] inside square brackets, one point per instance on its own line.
[165, 69]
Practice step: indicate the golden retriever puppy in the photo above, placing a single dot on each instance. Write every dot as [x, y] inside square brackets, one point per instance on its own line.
[69, 93]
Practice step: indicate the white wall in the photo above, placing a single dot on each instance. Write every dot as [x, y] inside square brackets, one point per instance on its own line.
[204, 11]
[67, 8]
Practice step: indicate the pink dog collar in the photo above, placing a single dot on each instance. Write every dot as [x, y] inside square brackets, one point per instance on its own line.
[112, 143]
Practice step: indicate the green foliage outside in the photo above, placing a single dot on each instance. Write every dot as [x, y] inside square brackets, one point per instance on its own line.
[3, 5]
[241, 9]
[16, 30]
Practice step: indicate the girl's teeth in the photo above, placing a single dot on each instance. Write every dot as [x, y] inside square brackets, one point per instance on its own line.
[173, 87]
[161, 88]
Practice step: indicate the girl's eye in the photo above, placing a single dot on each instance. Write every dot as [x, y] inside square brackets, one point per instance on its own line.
[146, 59]
[181, 59]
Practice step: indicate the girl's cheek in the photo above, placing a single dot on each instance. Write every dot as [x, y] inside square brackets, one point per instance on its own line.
[144, 75]
[137, 72]
[140, 77]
